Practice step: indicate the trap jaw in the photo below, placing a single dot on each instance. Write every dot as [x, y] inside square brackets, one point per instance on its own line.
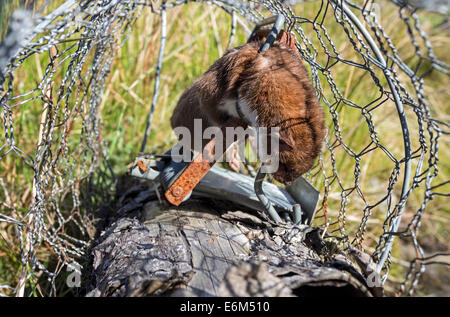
[277, 21]
[276, 33]
[298, 200]
[179, 179]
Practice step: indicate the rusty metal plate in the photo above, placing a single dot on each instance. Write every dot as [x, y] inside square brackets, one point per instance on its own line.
[188, 179]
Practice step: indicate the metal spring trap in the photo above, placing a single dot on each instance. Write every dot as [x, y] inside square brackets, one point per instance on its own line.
[181, 180]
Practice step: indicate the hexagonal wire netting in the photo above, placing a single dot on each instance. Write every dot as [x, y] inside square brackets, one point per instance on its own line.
[65, 154]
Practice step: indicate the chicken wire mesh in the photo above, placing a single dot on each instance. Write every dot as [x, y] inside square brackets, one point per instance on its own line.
[64, 162]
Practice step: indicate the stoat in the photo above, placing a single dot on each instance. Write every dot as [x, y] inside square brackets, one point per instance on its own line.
[270, 89]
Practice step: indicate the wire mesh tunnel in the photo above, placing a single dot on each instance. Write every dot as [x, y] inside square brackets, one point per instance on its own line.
[379, 173]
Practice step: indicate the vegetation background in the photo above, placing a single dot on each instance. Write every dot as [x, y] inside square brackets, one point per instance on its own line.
[197, 35]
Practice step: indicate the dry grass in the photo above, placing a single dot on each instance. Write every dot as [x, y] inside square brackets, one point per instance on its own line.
[197, 35]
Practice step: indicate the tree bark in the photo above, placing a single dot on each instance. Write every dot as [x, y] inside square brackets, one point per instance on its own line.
[211, 248]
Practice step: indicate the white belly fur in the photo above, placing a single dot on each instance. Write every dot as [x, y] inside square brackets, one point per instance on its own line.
[229, 107]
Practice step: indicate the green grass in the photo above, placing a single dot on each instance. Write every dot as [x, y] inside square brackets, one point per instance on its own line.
[191, 48]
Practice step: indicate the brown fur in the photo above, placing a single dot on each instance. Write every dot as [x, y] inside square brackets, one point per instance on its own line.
[276, 85]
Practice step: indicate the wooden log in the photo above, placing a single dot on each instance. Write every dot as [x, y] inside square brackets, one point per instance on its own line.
[211, 248]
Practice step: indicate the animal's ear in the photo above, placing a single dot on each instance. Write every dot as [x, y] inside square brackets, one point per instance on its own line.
[286, 142]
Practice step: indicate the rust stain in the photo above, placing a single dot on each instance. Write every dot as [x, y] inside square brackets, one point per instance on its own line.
[192, 175]
[142, 166]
